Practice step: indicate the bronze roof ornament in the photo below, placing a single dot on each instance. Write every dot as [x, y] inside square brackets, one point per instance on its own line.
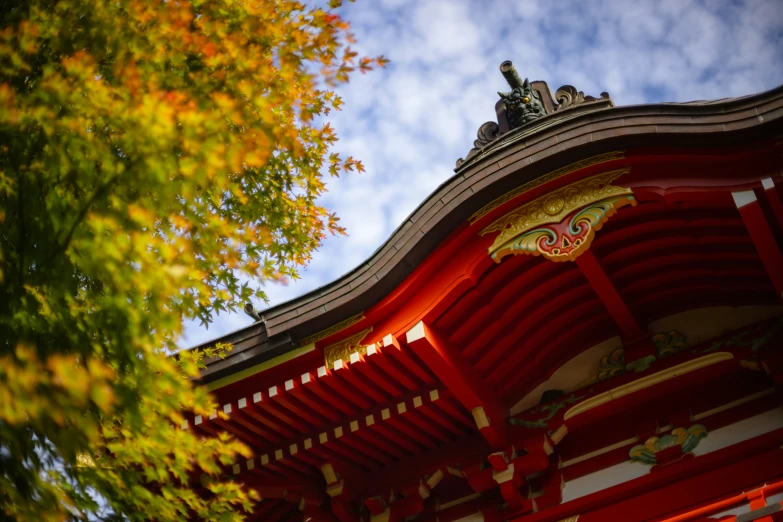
[527, 103]
[523, 104]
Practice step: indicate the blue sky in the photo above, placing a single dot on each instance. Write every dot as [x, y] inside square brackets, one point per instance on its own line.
[410, 122]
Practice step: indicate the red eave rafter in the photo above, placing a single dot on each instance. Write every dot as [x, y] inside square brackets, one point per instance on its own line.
[362, 438]
[462, 380]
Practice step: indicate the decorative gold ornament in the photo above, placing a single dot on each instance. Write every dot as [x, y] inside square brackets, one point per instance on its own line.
[342, 350]
[323, 334]
[562, 224]
[562, 171]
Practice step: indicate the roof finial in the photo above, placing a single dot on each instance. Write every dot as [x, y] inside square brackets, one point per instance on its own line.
[523, 103]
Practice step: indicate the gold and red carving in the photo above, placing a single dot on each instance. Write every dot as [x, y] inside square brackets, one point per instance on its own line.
[562, 224]
[342, 350]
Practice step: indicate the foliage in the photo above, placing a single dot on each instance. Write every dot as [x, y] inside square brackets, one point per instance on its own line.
[153, 152]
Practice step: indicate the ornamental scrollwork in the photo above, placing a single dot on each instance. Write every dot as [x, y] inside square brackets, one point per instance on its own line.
[562, 224]
[611, 365]
[641, 364]
[687, 439]
[567, 96]
[486, 134]
[565, 241]
[342, 350]
[669, 343]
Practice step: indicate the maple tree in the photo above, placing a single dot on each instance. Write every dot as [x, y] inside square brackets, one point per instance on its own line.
[154, 154]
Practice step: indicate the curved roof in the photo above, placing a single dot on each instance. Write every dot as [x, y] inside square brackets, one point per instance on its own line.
[514, 159]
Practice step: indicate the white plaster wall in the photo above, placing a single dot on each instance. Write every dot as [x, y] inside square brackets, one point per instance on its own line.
[602, 479]
[740, 431]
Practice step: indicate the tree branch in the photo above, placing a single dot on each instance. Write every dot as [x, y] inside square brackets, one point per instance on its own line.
[80, 217]
[22, 228]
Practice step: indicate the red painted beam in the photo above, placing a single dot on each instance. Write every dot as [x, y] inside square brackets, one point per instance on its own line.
[450, 407]
[251, 407]
[391, 346]
[379, 440]
[356, 454]
[462, 380]
[636, 340]
[528, 299]
[239, 426]
[268, 472]
[669, 301]
[286, 400]
[342, 388]
[724, 505]
[367, 446]
[588, 332]
[355, 379]
[426, 425]
[529, 344]
[422, 437]
[270, 488]
[393, 369]
[493, 283]
[525, 324]
[436, 416]
[372, 367]
[774, 199]
[277, 514]
[310, 399]
[762, 236]
[496, 311]
[391, 475]
[343, 510]
[315, 385]
[608, 294]
[263, 508]
[319, 514]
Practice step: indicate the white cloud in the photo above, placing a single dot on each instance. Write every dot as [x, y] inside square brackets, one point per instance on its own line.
[410, 122]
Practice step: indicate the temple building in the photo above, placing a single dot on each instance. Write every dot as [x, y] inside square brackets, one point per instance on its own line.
[584, 323]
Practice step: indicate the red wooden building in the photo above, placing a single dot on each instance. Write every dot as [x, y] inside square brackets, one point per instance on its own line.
[583, 323]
